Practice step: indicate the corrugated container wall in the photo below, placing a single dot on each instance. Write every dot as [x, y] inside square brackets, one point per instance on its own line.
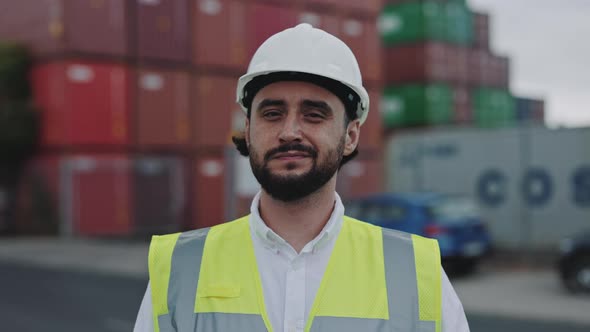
[329, 23]
[412, 22]
[493, 107]
[458, 57]
[532, 191]
[459, 23]
[63, 26]
[87, 180]
[463, 113]
[530, 110]
[207, 200]
[163, 29]
[264, 21]
[481, 38]
[424, 62]
[368, 8]
[219, 34]
[37, 201]
[372, 130]
[363, 39]
[83, 103]
[163, 108]
[417, 105]
[360, 177]
[476, 64]
[215, 106]
[159, 194]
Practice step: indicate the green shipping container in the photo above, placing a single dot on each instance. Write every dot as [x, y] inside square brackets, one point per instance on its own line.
[416, 105]
[493, 108]
[460, 26]
[412, 21]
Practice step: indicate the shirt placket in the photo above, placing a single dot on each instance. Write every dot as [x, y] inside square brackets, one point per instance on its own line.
[295, 295]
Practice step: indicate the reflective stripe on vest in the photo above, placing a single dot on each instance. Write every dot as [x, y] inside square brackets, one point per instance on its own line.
[376, 280]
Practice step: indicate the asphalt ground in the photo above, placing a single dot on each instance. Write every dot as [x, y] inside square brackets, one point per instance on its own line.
[49, 284]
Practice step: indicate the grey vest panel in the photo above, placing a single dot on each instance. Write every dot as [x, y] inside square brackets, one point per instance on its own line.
[221, 322]
[165, 323]
[340, 324]
[344, 324]
[400, 275]
[184, 277]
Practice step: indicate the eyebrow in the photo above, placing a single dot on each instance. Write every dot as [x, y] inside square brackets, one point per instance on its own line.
[321, 105]
[270, 102]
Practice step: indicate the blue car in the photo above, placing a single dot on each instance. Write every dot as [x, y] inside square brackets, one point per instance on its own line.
[453, 220]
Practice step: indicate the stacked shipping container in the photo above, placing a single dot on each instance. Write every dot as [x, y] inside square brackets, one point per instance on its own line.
[442, 45]
[138, 114]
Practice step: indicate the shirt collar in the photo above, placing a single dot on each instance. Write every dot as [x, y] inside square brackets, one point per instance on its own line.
[270, 239]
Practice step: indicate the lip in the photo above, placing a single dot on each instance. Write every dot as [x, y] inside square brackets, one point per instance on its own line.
[291, 155]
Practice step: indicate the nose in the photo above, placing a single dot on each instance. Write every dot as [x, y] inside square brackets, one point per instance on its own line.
[291, 130]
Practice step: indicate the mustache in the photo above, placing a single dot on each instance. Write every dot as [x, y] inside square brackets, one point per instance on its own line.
[291, 147]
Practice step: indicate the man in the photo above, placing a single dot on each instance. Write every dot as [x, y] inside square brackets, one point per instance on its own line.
[297, 263]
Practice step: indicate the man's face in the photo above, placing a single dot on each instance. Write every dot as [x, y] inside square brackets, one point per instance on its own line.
[297, 138]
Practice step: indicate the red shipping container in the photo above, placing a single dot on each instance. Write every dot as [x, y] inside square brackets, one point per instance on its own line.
[62, 26]
[159, 194]
[324, 4]
[226, 47]
[215, 107]
[458, 62]
[462, 111]
[372, 130]
[83, 103]
[96, 195]
[265, 20]
[163, 108]
[242, 205]
[503, 68]
[482, 31]
[478, 67]
[370, 8]
[363, 39]
[326, 22]
[492, 76]
[495, 70]
[37, 201]
[360, 177]
[425, 62]
[163, 29]
[208, 190]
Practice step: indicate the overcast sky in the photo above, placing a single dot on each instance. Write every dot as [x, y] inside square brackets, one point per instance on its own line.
[548, 42]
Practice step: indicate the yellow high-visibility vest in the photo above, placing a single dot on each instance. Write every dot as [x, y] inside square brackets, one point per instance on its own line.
[376, 279]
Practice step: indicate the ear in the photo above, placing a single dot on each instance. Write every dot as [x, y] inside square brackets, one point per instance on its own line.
[353, 131]
[247, 132]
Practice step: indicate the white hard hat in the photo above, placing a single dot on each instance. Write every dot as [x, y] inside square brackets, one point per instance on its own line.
[305, 49]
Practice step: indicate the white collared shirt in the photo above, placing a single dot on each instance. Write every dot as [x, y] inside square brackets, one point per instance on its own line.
[290, 280]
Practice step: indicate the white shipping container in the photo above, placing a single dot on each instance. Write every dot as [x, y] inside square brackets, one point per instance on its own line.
[532, 183]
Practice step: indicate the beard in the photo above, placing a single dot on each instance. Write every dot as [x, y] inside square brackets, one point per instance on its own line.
[290, 188]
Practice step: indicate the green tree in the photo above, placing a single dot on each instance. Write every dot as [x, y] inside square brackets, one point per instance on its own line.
[19, 126]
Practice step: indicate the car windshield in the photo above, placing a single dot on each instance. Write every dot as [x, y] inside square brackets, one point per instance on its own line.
[453, 209]
[375, 211]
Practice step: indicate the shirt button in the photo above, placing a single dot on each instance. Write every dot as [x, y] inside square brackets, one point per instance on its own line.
[300, 325]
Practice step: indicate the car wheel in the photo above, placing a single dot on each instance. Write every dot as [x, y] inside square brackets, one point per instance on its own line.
[578, 279]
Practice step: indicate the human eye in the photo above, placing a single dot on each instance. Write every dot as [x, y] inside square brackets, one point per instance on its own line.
[271, 114]
[314, 116]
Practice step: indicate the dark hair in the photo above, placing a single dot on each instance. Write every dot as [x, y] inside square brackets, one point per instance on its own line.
[349, 98]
